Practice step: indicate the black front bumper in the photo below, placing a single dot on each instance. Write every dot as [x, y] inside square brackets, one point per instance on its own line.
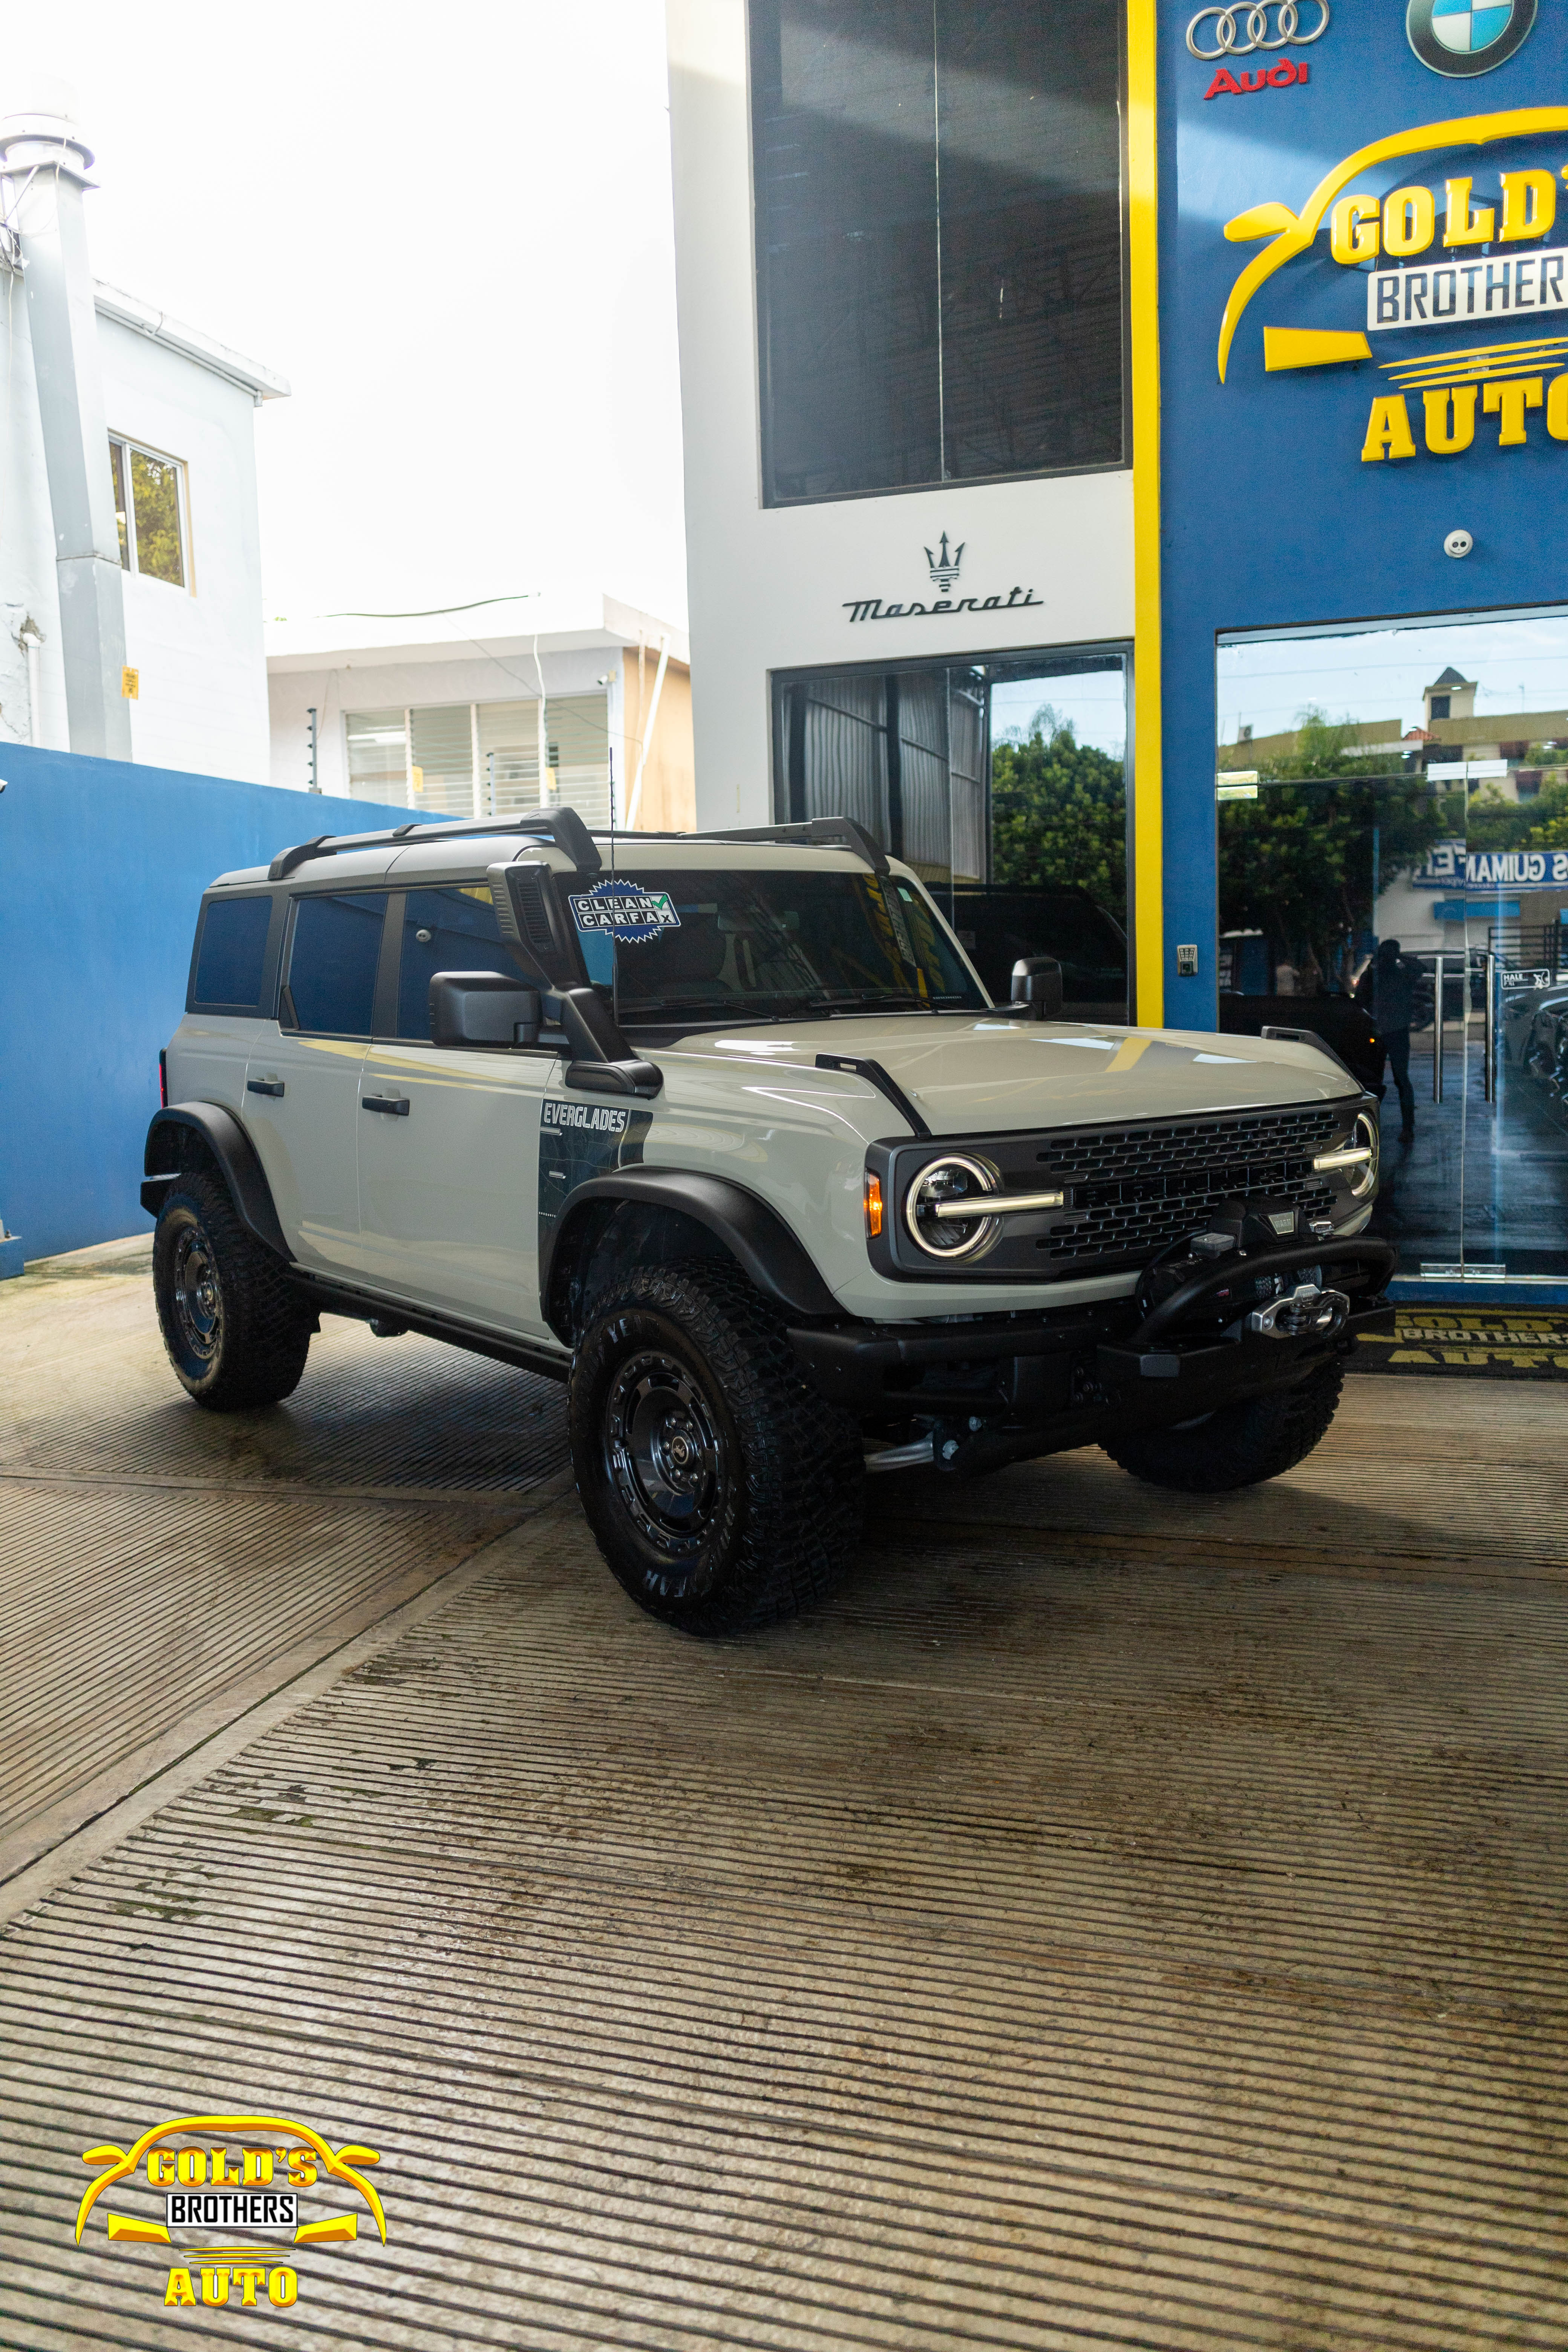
[1020, 1384]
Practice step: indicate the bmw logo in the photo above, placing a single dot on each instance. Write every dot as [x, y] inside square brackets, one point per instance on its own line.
[1460, 37]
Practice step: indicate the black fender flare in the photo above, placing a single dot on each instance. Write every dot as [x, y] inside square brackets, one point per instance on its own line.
[235, 1156]
[754, 1234]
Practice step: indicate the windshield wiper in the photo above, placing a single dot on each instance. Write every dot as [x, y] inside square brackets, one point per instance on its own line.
[889, 999]
[729, 1010]
[736, 1011]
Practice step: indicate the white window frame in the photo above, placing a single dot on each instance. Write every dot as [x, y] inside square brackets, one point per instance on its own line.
[128, 445]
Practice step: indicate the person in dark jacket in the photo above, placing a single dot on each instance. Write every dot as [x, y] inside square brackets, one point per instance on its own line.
[1387, 991]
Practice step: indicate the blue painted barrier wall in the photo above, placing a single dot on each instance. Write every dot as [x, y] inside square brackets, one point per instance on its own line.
[103, 866]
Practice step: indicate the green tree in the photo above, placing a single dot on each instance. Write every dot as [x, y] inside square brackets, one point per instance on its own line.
[1058, 812]
[1297, 863]
[1549, 828]
[1495, 823]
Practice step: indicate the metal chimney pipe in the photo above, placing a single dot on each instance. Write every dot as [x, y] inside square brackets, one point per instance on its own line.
[31, 640]
[46, 163]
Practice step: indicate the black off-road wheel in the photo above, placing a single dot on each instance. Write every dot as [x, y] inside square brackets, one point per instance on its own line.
[235, 1333]
[722, 1491]
[1239, 1444]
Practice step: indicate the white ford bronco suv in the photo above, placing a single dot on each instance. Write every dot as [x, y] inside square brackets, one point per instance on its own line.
[723, 1130]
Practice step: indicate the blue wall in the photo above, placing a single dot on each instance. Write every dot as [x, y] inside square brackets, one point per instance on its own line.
[103, 866]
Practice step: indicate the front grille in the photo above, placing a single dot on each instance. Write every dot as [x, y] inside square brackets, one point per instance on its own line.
[1143, 1187]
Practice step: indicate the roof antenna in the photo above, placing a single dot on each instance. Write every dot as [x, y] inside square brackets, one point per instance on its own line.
[615, 943]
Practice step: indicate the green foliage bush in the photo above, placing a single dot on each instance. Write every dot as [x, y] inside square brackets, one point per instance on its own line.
[1059, 811]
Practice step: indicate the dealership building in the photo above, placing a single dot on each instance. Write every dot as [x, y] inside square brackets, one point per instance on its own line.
[1124, 451]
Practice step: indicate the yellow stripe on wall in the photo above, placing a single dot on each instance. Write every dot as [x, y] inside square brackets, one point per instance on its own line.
[1143, 256]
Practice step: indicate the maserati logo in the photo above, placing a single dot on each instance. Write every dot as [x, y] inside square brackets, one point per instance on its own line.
[1460, 37]
[944, 567]
[945, 561]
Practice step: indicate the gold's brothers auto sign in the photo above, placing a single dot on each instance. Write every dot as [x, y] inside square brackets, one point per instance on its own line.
[1475, 247]
[227, 2195]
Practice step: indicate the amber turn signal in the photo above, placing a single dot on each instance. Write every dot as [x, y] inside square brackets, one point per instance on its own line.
[873, 1206]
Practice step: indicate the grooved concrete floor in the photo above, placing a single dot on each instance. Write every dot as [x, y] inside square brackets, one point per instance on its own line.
[1116, 1920]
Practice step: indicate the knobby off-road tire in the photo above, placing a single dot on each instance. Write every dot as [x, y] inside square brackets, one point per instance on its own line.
[722, 1491]
[235, 1333]
[1239, 1444]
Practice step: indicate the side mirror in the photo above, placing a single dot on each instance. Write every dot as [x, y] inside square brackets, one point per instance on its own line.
[482, 1008]
[1037, 983]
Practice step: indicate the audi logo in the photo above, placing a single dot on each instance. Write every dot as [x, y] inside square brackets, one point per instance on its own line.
[1229, 23]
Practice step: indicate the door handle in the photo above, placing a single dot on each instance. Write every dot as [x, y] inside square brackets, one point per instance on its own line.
[264, 1087]
[395, 1106]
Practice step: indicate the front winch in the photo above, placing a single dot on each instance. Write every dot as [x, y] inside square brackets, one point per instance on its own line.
[1306, 1309]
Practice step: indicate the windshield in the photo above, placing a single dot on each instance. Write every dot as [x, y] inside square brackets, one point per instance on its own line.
[752, 945]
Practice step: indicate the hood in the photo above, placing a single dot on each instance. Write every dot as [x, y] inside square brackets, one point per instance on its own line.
[980, 1075]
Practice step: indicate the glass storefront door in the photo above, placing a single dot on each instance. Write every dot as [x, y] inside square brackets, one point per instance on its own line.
[1001, 781]
[1392, 863]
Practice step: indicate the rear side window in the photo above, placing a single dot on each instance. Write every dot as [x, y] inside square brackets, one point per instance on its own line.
[444, 930]
[233, 952]
[333, 961]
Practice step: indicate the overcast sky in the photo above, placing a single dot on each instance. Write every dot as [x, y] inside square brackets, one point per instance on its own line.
[450, 229]
[1379, 673]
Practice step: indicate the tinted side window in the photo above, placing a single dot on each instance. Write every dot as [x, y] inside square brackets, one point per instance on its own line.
[332, 962]
[233, 951]
[444, 930]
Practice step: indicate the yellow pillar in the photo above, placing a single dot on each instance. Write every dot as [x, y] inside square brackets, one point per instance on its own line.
[1148, 824]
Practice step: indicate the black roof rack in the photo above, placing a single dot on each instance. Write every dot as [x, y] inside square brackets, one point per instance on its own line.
[828, 832]
[561, 826]
[832, 831]
[566, 830]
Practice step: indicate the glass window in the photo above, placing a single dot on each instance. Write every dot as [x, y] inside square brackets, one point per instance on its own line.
[463, 759]
[232, 952]
[444, 930]
[333, 961]
[378, 755]
[149, 510]
[121, 500]
[1001, 781]
[770, 944]
[1058, 830]
[939, 241]
[442, 737]
[901, 751]
[1392, 875]
[155, 496]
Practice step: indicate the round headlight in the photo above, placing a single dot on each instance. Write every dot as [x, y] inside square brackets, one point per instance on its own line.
[1363, 1180]
[936, 1207]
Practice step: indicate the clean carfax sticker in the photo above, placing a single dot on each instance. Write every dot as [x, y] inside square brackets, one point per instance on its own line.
[628, 914]
[593, 1119]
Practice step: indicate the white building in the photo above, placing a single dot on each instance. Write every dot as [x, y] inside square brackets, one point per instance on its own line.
[908, 472]
[129, 547]
[491, 710]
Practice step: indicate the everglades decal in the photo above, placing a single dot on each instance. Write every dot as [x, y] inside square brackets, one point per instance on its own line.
[579, 1137]
[586, 1118]
[629, 915]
